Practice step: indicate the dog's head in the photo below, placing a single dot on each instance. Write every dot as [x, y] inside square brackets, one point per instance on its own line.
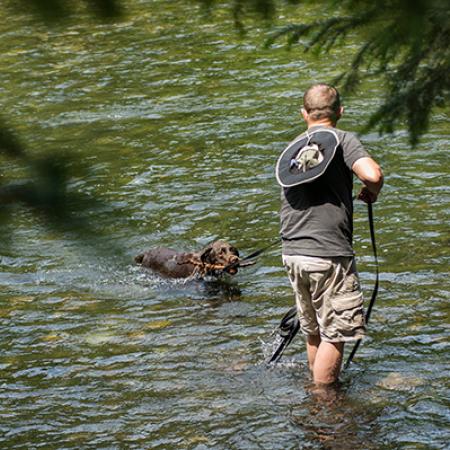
[221, 253]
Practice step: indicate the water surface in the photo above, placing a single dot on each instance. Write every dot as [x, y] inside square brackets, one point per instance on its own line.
[179, 121]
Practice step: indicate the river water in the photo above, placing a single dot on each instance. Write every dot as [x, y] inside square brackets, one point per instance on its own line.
[179, 121]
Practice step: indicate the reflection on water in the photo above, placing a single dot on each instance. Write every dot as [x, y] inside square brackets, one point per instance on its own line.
[180, 122]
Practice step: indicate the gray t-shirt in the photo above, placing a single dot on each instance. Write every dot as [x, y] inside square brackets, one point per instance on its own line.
[317, 217]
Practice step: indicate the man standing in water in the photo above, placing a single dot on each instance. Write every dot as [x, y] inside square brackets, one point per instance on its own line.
[316, 231]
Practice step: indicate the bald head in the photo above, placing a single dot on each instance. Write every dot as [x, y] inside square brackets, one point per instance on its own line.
[322, 101]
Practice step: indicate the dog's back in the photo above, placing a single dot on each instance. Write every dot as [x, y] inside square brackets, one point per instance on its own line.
[214, 259]
[167, 262]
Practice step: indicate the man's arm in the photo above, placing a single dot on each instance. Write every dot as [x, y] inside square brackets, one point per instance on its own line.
[369, 172]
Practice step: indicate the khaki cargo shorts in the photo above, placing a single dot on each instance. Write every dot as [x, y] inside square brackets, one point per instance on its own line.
[328, 296]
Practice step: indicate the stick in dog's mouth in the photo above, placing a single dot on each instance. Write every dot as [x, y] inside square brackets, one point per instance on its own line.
[233, 267]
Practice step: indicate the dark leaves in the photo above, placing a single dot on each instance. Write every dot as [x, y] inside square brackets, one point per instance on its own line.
[44, 188]
[9, 144]
[405, 44]
[56, 10]
[44, 184]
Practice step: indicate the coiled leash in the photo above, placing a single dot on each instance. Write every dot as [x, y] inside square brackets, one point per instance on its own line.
[290, 324]
[288, 328]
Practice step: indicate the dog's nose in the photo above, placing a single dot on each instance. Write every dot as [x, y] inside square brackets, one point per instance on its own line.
[234, 259]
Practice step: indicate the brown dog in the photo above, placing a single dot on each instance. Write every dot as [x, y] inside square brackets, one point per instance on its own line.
[212, 260]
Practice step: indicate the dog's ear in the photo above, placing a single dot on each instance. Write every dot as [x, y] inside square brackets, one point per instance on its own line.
[206, 254]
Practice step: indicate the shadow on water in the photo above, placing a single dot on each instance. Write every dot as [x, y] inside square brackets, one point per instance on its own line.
[223, 290]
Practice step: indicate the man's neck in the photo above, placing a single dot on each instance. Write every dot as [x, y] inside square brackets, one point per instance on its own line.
[323, 123]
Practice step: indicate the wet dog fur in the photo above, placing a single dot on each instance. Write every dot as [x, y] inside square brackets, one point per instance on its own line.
[209, 261]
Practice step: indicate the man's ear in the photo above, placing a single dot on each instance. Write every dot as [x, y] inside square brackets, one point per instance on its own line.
[340, 112]
[304, 114]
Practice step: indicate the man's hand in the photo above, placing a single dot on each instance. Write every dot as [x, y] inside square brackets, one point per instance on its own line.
[367, 196]
[369, 172]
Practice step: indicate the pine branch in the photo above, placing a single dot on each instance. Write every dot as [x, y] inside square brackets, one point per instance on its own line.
[407, 45]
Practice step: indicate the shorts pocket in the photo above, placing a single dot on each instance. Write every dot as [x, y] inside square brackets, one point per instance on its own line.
[350, 284]
[349, 301]
[348, 313]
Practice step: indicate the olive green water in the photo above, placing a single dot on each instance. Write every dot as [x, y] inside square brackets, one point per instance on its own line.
[180, 122]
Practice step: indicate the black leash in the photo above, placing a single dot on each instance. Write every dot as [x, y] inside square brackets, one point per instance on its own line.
[253, 255]
[289, 327]
[261, 250]
[375, 288]
[290, 324]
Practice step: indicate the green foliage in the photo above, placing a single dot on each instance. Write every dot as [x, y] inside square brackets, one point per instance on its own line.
[406, 44]
[44, 189]
[56, 10]
[265, 9]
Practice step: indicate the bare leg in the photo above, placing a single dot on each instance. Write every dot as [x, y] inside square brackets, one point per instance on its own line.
[327, 362]
[312, 345]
